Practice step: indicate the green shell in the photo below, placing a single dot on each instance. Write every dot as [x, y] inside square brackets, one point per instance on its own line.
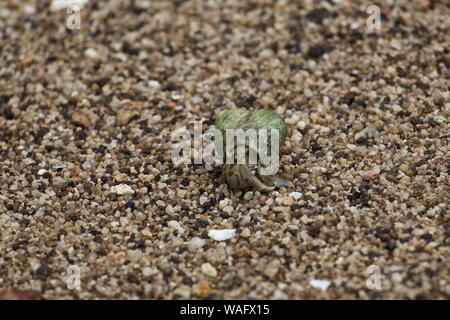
[244, 119]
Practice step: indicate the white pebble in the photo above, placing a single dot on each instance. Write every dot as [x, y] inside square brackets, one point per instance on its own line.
[176, 95]
[297, 137]
[246, 233]
[221, 235]
[91, 53]
[147, 271]
[156, 118]
[58, 165]
[30, 9]
[41, 172]
[175, 225]
[183, 292]
[228, 209]
[209, 270]
[301, 125]
[223, 203]
[296, 195]
[115, 102]
[35, 266]
[195, 243]
[321, 284]
[123, 221]
[153, 84]
[293, 119]
[115, 224]
[203, 200]
[170, 210]
[396, 45]
[87, 164]
[62, 4]
[122, 189]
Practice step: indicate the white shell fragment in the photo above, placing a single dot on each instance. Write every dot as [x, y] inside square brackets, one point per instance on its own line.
[321, 284]
[222, 235]
[63, 4]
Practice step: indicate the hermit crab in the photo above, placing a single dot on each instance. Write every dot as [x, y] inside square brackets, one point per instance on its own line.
[245, 174]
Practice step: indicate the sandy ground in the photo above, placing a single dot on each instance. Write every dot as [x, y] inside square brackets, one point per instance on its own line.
[88, 184]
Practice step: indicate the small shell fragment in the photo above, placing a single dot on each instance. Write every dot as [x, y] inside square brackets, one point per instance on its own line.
[222, 235]
[63, 4]
[320, 284]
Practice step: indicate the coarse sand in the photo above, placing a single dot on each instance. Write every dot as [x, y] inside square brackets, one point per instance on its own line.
[88, 187]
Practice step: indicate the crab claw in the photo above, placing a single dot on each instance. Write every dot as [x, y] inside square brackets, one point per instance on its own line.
[280, 182]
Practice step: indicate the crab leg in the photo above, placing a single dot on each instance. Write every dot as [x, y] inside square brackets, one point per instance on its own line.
[248, 177]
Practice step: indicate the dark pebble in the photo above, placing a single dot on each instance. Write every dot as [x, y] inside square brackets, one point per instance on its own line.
[318, 50]
[185, 181]
[318, 15]
[8, 114]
